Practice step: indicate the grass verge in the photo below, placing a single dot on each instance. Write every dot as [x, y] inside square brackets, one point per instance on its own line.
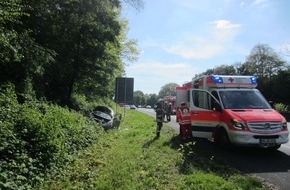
[133, 158]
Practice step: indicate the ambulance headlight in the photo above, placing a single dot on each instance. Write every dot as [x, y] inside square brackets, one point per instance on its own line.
[238, 124]
[284, 125]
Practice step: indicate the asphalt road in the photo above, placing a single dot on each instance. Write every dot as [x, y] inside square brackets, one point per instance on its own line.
[273, 167]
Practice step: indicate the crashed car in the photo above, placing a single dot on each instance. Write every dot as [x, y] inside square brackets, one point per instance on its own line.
[105, 116]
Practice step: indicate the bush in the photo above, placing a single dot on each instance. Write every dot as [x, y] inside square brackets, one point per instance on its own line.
[281, 107]
[36, 137]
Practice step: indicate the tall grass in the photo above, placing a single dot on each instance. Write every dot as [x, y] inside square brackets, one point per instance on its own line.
[133, 158]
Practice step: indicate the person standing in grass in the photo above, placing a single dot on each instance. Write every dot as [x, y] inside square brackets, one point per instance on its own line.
[160, 112]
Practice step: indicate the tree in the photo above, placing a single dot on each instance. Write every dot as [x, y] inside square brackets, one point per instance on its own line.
[219, 70]
[207, 72]
[65, 47]
[286, 50]
[264, 62]
[89, 40]
[168, 90]
[10, 13]
[85, 36]
[151, 99]
[281, 87]
[22, 60]
[138, 98]
[225, 70]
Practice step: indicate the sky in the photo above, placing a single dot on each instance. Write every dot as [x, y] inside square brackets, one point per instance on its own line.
[178, 39]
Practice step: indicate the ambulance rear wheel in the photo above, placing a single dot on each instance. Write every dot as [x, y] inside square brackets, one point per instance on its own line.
[223, 139]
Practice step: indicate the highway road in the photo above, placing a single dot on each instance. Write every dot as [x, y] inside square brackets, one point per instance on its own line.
[273, 167]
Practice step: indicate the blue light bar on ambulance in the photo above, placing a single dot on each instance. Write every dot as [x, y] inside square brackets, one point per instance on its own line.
[254, 80]
[217, 79]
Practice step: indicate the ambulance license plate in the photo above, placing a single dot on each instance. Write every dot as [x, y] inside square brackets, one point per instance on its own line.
[267, 141]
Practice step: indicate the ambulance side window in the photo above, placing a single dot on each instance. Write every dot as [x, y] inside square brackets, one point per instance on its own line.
[214, 93]
[202, 99]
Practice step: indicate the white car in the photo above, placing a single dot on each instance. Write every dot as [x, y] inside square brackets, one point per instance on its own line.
[133, 107]
[127, 106]
[148, 107]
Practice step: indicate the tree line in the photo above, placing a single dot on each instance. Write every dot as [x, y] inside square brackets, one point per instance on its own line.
[272, 72]
[55, 49]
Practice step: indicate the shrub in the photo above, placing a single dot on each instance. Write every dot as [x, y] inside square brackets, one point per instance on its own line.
[281, 107]
[36, 137]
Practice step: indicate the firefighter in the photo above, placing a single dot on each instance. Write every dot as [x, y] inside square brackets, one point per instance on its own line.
[159, 117]
[168, 112]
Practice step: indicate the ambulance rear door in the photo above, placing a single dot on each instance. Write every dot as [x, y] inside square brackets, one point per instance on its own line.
[204, 113]
[181, 95]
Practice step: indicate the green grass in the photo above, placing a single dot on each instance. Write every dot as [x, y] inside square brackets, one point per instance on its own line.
[132, 158]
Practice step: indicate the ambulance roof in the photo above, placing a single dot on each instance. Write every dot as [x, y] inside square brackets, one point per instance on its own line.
[231, 81]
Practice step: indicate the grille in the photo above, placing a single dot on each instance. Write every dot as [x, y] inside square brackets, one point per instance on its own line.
[265, 127]
[266, 137]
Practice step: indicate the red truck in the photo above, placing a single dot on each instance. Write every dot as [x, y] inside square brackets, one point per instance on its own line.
[171, 100]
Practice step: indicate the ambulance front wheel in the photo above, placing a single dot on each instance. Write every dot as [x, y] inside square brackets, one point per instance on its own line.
[274, 148]
[223, 139]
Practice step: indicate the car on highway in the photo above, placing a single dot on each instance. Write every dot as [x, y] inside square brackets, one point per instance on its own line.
[133, 107]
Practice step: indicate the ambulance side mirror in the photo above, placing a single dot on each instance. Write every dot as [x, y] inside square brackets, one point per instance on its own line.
[272, 104]
[217, 106]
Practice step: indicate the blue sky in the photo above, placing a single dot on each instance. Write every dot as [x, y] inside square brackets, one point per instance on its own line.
[181, 38]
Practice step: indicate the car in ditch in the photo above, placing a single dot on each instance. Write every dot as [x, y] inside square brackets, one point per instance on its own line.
[106, 118]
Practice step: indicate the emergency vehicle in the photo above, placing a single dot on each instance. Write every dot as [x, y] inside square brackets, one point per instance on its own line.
[171, 100]
[230, 111]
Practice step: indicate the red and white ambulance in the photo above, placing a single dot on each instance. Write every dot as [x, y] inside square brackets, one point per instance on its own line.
[229, 110]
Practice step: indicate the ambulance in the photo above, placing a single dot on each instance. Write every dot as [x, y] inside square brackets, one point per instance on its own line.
[230, 111]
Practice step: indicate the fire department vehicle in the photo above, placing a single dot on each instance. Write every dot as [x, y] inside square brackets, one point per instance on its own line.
[171, 100]
[230, 111]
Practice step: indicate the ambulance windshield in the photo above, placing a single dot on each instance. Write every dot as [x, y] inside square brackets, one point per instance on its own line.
[243, 99]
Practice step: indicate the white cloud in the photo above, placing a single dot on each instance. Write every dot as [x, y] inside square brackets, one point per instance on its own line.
[196, 50]
[208, 45]
[224, 31]
[259, 2]
[264, 4]
[242, 4]
[225, 25]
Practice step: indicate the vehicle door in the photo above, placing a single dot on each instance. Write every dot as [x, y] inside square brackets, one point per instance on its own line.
[204, 113]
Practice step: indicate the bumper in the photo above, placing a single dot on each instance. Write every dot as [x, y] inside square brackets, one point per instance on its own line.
[254, 139]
